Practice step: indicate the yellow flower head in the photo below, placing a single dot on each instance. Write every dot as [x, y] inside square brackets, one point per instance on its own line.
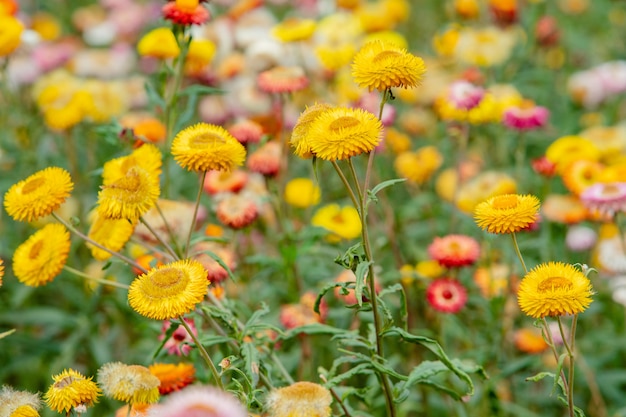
[206, 147]
[343, 222]
[129, 197]
[430, 269]
[581, 174]
[332, 57]
[507, 213]
[554, 289]
[110, 233]
[200, 54]
[19, 403]
[299, 134]
[483, 186]
[302, 193]
[343, 132]
[147, 156]
[132, 384]
[381, 65]
[169, 291]
[10, 34]
[417, 167]
[24, 411]
[71, 389]
[42, 257]
[444, 42]
[159, 43]
[294, 29]
[38, 195]
[173, 377]
[567, 149]
[300, 399]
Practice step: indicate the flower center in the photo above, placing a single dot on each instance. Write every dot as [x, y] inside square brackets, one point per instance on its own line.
[32, 185]
[385, 55]
[504, 202]
[447, 294]
[187, 5]
[344, 122]
[35, 249]
[554, 284]
[204, 140]
[65, 382]
[166, 282]
[610, 190]
[338, 218]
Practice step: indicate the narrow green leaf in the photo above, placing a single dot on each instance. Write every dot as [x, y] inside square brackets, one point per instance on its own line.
[314, 328]
[251, 360]
[384, 185]
[264, 310]
[361, 270]
[215, 340]
[200, 90]
[361, 369]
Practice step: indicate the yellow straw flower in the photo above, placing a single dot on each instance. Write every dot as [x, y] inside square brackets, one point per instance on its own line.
[300, 399]
[567, 149]
[332, 56]
[302, 193]
[380, 65]
[133, 384]
[507, 213]
[554, 289]
[206, 147]
[417, 167]
[170, 290]
[113, 234]
[38, 195]
[42, 257]
[159, 43]
[18, 403]
[299, 134]
[24, 411]
[147, 156]
[343, 222]
[343, 132]
[199, 56]
[129, 197]
[71, 389]
[294, 29]
[10, 34]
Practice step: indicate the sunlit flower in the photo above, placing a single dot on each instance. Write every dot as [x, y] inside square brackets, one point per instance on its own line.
[567, 149]
[419, 166]
[529, 340]
[199, 401]
[169, 291]
[237, 211]
[266, 160]
[10, 34]
[129, 197]
[205, 147]
[554, 289]
[453, 251]
[173, 377]
[302, 193]
[446, 295]
[342, 222]
[507, 213]
[38, 195]
[159, 43]
[180, 341]
[282, 80]
[299, 134]
[129, 383]
[300, 399]
[70, 390]
[294, 29]
[18, 403]
[185, 12]
[605, 198]
[217, 182]
[381, 65]
[110, 233]
[42, 257]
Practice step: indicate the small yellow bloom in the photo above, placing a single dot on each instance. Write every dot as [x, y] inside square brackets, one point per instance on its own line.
[113, 234]
[302, 193]
[554, 289]
[430, 269]
[333, 57]
[419, 166]
[147, 156]
[129, 197]
[300, 399]
[342, 222]
[299, 134]
[10, 34]
[483, 186]
[568, 149]
[200, 54]
[71, 389]
[444, 43]
[159, 43]
[294, 29]
[507, 213]
[133, 384]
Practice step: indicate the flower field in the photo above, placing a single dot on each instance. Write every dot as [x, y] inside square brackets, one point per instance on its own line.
[313, 208]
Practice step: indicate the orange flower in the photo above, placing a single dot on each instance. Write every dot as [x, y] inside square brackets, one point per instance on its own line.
[530, 341]
[173, 377]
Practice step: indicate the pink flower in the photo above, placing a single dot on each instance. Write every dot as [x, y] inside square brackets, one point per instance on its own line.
[464, 95]
[199, 401]
[446, 295]
[605, 198]
[525, 117]
[454, 250]
[179, 342]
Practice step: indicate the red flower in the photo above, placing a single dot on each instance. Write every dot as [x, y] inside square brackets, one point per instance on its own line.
[454, 250]
[446, 295]
[185, 13]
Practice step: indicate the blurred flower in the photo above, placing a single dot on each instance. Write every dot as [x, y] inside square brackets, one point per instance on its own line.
[580, 175]
[302, 313]
[341, 132]
[371, 102]
[380, 65]
[611, 254]
[302, 193]
[10, 34]
[335, 56]
[341, 222]
[580, 238]
[592, 87]
[225, 181]
[493, 280]
[529, 340]
[129, 383]
[446, 295]
[482, 187]
[42, 256]
[19, 403]
[282, 80]
[565, 209]
[246, 131]
[350, 297]
[147, 157]
[445, 41]
[547, 31]
[419, 166]
[39, 194]
[266, 160]
[147, 261]
[543, 166]
[179, 343]
[464, 95]
[573, 7]
[299, 134]
[485, 46]
[129, 197]
[205, 147]
[554, 289]
[467, 9]
[173, 377]
[507, 213]
[618, 288]
[216, 273]
[504, 11]
[487, 110]
[610, 140]
[171, 217]
[148, 130]
[8, 7]
[606, 198]
[300, 399]
[159, 43]
[113, 234]
[454, 251]
[70, 390]
[525, 116]
[134, 410]
[199, 401]
[430, 268]
[185, 12]
[169, 291]
[237, 211]
[294, 29]
[199, 56]
[397, 141]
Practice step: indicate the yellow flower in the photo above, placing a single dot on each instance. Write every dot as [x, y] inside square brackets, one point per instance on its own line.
[294, 29]
[10, 34]
[581, 174]
[129, 197]
[343, 132]
[18, 403]
[46, 25]
[200, 54]
[568, 149]
[302, 192]
[159, 43]
[173, 377]
[507, 213]
[71, 389]
[110, 233]
[343, 222]
[430, 269]
[485, 46]
[300, 399]
[333, 57]
[381, 65]
[147, 156]
[554, 289]
[24, 411]
[133, 384]
[42, 257]
[38, 195]
[170, 290]
[299, 133]
[388, 36]
[397, 141]
[417, 167]
[483, 186]
[206, 147]
[444, 43]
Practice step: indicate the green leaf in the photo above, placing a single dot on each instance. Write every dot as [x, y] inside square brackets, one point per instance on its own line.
[215, 340]
[344, 285]
[154, 97]
[384, 185]
[174, 324]
[403, 303]
[199, 90]
[361, 369]
[361, 270]
[315, 328]
[251, 360]
[264, 310]
[352, 257]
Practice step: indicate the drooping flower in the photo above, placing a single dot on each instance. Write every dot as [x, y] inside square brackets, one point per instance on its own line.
[302, 193]
[179, 343]
[169, 291]
[42, 257]
[38, 195]
[554, 289]
[605, 198]
[70, 390]
[294, 29]
[159, 43]
[185, 12]
[132, 384]
[129, 197]
[237, 211]
[446, 295]
[148, 157]
[507, 213]
[18, 403]
[173, 377]
[381, 65]
[454, 251]
[300, 399]
[299, 134]
[341, 222]
[113, 234]
[199, 401]
[282, 80]
[10, 34]
[205, 147]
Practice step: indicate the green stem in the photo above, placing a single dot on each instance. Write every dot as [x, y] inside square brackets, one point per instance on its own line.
[195, 213]
[204, 354]
[519, 254]
[167, 247]
[337, 398]
[569, 346]
[346, 184]
[94, 279]
[170, 232]
[355, 178]
[548, 335]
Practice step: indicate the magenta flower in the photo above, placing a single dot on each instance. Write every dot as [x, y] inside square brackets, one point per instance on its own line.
[179, 342]
[605, 198]
[525, 117]
[464, 95]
